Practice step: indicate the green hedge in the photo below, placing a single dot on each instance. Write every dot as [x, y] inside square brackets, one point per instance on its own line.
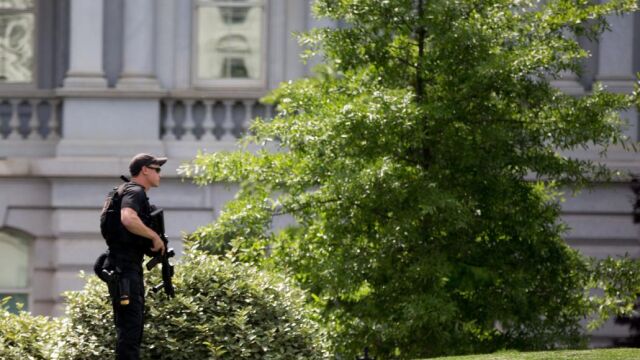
[222, 310]
[23, 336]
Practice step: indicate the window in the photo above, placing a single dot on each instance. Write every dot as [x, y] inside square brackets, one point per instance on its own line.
[234, 68]
[17, 25]
[14, 277]
[234, 15]
[230, 43]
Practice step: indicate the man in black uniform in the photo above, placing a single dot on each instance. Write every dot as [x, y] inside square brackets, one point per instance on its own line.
[127, 253]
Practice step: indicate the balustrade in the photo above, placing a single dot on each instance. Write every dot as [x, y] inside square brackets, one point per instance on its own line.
[209, 120]
[30, 118]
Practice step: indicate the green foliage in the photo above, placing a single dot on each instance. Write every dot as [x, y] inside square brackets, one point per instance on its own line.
[619, 281]
[27, 337]
[421, 167]
[223, 309]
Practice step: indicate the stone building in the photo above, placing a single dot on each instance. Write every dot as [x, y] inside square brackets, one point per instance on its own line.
[85, 84]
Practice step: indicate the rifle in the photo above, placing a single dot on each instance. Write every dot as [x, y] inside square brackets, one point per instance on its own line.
[157, 225]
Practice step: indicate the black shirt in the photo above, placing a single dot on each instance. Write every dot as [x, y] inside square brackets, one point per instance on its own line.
[134, 197]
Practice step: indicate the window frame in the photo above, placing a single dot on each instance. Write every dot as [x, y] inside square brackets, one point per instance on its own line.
[33, 84]
[229, 83]
[28, 290]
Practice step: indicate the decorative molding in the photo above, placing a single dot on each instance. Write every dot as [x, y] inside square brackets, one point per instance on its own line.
[226, 94]
[110, 93]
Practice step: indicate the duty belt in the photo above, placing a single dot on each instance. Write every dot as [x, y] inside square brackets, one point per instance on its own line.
[126, 261]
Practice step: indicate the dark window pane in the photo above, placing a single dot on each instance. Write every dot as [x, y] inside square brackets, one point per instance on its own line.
[234, 68]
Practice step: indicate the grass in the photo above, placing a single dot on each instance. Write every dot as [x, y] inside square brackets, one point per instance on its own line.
[597, 354]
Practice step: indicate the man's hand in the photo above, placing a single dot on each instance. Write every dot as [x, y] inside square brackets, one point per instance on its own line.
[158, 245]
[132, 222]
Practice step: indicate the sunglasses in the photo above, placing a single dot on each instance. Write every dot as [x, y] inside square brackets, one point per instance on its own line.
[157, 169]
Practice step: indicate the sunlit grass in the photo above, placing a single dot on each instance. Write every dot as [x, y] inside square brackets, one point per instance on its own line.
[599, 354]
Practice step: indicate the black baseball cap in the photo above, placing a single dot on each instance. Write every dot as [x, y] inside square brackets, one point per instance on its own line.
[141, 160]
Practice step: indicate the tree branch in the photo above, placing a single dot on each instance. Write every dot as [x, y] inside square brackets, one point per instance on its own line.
[421, 34]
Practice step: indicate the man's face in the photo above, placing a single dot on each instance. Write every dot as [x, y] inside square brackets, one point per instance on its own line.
[152, 173]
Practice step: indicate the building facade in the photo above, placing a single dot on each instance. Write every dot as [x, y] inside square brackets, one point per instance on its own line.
[85, 84]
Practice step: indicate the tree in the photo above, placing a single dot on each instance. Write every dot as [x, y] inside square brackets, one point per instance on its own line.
[421, 167]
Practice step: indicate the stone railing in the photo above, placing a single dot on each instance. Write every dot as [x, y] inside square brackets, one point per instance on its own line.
[189, 119]
[29, 122]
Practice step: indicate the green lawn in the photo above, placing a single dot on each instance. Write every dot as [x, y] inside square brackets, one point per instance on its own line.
[600, 354]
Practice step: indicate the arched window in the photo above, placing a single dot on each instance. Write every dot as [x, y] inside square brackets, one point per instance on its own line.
[230, 43]
[15, 274]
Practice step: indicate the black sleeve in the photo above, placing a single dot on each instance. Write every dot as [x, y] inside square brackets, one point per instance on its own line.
[133, 198]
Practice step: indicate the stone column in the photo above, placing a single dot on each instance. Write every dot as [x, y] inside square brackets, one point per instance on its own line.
[615, 63]
[138, 65]
[296, 15]
[277, 41]
[100, 121]
[85, 55]
[615, 60]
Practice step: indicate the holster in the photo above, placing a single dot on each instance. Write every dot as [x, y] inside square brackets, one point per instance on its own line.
[119, 287]
[103, 268]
